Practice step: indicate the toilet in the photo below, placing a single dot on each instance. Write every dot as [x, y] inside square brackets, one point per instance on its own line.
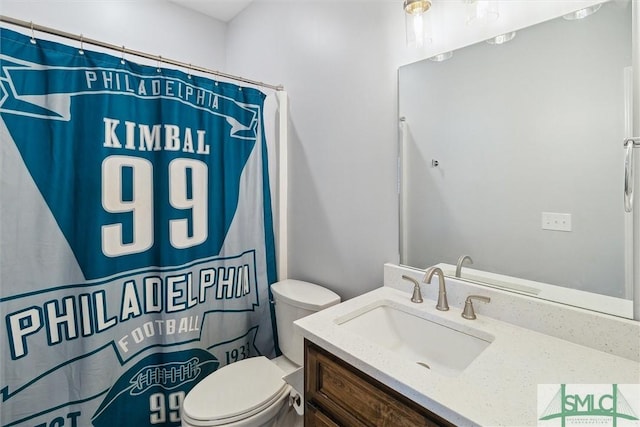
[252, 392]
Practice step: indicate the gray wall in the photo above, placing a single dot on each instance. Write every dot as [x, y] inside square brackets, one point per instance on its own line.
[338, 60]
[334, 60]
[156, 27]
[533, 125]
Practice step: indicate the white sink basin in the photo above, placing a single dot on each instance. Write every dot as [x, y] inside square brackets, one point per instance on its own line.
[443, 347]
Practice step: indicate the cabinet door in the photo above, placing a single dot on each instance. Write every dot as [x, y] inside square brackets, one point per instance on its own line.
[352, 398]
[313, 417]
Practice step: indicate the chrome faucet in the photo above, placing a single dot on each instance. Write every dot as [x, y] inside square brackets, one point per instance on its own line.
[461, 260]
[417, 295]
[442, 305]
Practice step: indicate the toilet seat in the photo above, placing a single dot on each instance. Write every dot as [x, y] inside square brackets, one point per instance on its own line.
[235, 392]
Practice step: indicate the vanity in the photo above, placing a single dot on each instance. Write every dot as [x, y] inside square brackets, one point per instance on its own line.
[335, 390]
[379, 359]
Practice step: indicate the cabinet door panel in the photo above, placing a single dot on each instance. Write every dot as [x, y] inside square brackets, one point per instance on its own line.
[313, 417]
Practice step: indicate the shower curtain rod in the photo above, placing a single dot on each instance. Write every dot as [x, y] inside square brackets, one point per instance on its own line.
[33, 27]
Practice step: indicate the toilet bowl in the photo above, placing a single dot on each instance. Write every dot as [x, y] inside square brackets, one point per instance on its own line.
[252, 392]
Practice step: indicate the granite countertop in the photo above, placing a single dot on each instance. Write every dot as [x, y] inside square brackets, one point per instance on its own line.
[498, 388]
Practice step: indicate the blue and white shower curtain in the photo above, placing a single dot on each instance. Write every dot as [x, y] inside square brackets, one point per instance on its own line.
[136, 238]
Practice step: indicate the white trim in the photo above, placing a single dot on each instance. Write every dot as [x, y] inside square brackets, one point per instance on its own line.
[282, 196]
[636, 128]
[628, 217]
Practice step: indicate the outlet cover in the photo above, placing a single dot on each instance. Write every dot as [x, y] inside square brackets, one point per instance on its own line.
[556, 221]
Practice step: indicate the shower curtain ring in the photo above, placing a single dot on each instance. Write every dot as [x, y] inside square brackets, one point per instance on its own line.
[158, 63]
[122, 61]
[81, 51]
[33, 35]
[189, 73]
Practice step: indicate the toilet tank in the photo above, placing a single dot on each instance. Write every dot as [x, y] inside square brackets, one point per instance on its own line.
[295, 299]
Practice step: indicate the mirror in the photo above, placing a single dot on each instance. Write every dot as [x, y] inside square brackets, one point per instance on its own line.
[513, 154]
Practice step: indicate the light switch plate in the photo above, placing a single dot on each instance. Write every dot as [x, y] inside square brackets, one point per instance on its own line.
[556, 221]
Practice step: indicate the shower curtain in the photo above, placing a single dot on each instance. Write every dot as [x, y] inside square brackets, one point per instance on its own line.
[136, 237]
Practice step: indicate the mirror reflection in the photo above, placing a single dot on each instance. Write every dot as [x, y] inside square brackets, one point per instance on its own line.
[512, 154]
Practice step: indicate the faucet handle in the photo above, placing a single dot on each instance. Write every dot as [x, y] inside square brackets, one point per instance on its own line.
[469, 312]
[417, 295]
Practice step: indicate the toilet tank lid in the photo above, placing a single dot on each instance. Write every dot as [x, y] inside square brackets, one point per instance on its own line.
[304, 294]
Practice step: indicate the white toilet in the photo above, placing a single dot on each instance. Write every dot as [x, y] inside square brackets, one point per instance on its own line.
[252, 392]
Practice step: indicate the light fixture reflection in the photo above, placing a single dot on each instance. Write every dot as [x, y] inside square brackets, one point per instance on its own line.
[481, 10]
[502, 38]
[414, 7]
[414, 21]
[442, 57]
[582, 13]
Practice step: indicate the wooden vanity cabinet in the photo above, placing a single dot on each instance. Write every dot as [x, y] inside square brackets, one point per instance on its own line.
[337, 394]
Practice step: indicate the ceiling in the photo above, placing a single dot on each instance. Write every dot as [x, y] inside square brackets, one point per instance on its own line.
[222, 10]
